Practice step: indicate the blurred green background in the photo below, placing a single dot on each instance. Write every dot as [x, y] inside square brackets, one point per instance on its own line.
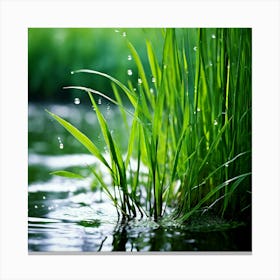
[54, 52]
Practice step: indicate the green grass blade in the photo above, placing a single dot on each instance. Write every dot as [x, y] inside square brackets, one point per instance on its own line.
[154, 65]
[82, 138]
[131, 95]
[238, 180]
[142, 74]
[113, 148]
[67, 174]
[120, 105]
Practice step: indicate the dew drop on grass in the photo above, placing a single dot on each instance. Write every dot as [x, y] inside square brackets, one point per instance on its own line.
[44, 197]
[195, 48]
[77, 101]
[215, 122]
[134, 89]
[99, 101]
[226, 165]
[129, 57]
[35, 206]
[129, 72]
[124, 34]
[198, 109]
[151, 90]
[213, 36]
[139, 81]
[153, 79]
[117, 31]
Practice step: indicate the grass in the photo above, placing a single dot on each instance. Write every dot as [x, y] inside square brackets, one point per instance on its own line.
[190, 130]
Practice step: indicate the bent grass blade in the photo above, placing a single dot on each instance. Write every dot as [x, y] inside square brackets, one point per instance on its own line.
[67, 174]
[82, 138]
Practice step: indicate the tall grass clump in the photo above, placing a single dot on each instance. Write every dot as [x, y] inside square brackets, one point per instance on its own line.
[190, 129]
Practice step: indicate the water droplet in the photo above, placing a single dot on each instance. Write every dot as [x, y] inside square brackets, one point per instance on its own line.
[108, 107]
[129, 72]
[210, 64]
[61, 146]
[124, 34]
[35, 206]
[226, 165]
[198, 109]
[191, 241]
[44, 197]
[77, 101]
[117, 31]
[164, 66]
[151, 90]
[129, 57]
[153, 79]
[134, 89]
[213, 36]
[50, 208]
[72, 72]
[43, 206]
[195, 48]
[215, 122]
[99, 101]
[139, 81]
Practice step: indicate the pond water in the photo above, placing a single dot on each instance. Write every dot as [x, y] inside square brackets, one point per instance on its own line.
[65, 215]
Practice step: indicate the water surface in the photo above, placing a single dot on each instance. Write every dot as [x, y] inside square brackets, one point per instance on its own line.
[65, 215]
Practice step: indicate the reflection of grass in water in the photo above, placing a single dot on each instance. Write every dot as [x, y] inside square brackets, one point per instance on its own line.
[191, 128]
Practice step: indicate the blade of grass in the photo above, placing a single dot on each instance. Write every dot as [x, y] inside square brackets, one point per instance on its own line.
[67, 174]
[82, 138]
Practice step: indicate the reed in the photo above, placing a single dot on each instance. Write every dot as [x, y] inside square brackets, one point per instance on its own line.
[191, 127]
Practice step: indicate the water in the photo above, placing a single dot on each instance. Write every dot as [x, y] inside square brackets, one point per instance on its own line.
[77, 101]
[65, 215]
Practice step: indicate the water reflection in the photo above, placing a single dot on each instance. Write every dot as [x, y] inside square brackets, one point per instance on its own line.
[66, 216]
[72, 227]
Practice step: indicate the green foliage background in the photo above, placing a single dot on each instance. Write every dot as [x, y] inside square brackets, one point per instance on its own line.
[54, 52]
